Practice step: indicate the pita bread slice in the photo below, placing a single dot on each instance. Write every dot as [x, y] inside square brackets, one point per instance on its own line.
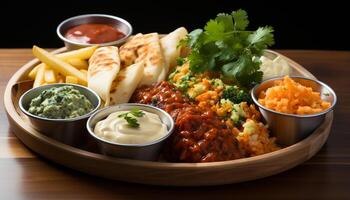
[126, 82]
[144, 48]
[128, 51]
[104, 66]
[169, 45]
[162, 75]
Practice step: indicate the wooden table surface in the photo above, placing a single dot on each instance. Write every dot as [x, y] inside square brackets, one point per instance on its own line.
[25, 175]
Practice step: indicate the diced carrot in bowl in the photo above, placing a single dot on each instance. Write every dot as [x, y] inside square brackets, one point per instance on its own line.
[288, 96]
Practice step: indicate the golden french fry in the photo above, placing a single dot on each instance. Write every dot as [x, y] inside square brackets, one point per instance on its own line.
[50, 76]
[84, 84]
[78, 63]
[60, 78]
[39, 77]
[83, 54]
[84, 72]
[58, 65]
[33, 72]
[71, 79]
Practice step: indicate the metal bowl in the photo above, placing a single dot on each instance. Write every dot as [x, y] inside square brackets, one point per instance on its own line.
[147, 151]
[291, 128]
[118, 23]
[68, 131]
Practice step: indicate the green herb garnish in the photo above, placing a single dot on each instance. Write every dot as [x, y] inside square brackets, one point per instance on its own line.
[130, 117]
[225, 45]
[180, 61]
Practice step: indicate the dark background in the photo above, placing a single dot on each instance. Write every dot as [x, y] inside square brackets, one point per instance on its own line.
[298, 24]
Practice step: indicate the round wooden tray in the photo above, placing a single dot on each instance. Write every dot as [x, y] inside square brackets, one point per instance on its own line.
[162, 173]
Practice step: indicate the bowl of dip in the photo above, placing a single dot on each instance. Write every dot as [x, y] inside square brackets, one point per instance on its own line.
[60, 111]
[93, 29]
[130, 130]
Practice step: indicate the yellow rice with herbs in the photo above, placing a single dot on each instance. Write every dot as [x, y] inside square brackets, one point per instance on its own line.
[209, 90]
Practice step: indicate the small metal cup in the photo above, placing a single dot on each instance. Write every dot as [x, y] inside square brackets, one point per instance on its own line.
[290, 128]
[68, 131]
[117, 22]
[147, 151]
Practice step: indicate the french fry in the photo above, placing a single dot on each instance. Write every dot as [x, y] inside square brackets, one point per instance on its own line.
[78, 58]
[33, 72]
[39, 77]
[50, 76]
[60, 78]
[78, 63]
[71, 79]
[83, 54]
[58, 65]
[84, 72]
[83, 84]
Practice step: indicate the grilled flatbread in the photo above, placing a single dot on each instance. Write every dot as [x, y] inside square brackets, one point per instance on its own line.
[104, 66]
[169, 44]
[126, 82]
[144, 48]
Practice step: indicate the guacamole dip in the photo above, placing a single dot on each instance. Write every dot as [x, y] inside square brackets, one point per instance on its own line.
[63, 102]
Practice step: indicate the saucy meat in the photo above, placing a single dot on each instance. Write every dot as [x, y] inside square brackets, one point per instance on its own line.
[199, 136]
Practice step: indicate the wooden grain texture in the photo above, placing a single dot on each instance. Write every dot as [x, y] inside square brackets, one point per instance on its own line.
[325, 176]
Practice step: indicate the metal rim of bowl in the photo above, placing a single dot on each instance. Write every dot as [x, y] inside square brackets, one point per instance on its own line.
[295, 115]
[61, 36]
[169, 132]
[61, 120]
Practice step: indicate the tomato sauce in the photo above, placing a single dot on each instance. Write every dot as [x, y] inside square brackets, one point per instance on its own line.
[93, 34]
[199, 136]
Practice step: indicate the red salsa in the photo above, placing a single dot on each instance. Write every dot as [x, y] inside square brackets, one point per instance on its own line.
[93, 33]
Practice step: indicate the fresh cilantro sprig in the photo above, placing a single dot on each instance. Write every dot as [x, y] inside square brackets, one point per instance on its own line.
[225, 45]
[130, 117]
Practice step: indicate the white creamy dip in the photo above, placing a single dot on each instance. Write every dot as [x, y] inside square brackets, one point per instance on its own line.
[116, 129]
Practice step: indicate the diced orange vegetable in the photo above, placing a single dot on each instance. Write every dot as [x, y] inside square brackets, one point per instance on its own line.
[288, 96]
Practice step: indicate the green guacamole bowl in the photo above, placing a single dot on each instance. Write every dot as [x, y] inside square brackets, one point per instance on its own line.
[70, 131]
